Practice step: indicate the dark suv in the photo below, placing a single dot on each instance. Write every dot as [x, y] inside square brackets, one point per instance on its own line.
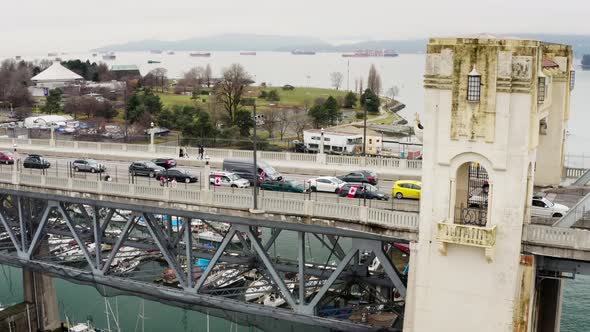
[145, 168]
[36, 161]
[165, 162]
[88, 165]
[362, 190]
[362, 176]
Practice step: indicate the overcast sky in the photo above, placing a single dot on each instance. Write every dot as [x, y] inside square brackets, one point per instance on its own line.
[78, 25]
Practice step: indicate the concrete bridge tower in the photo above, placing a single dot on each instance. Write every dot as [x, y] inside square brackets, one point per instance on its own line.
[483, 111]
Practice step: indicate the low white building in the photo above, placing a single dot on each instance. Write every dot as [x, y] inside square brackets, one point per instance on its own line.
[334, 142]
[44, 121]
[56, 76]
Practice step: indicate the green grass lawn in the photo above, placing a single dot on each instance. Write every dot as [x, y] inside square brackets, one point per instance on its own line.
[296, 97]
[170, 99]
[292, 98]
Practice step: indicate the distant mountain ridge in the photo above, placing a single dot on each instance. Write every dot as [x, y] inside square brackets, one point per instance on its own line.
[254, 42]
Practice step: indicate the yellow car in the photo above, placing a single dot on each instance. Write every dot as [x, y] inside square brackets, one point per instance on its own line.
[407, 189]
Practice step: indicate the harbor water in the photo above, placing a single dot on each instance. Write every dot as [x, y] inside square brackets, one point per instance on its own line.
[405, 72]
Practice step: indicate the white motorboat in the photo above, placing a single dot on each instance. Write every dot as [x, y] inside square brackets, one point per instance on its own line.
[212, 236]
[273, 300]
[257, 289]
[276, 300]
[226, 278]
[126, 266]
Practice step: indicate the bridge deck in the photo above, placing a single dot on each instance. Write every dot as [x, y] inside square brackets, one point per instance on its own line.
[312, 164]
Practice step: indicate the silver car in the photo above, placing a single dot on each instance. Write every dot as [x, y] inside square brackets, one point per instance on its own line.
[228, 179]
[88, 165]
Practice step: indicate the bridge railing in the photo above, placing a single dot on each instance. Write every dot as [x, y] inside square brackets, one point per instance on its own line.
[567, 238]
[379, 162]
[574, 214]
[573, 172]
[221, 199]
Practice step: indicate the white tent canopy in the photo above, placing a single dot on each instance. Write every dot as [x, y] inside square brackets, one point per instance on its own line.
[56, 73]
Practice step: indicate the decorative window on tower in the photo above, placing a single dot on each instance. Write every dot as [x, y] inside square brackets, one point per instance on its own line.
[473, 86]
[542, 90]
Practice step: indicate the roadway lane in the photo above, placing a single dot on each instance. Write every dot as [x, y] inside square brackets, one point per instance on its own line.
[119, 171]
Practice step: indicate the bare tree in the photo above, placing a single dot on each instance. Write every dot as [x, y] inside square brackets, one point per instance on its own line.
[361, 90]
[270, 120]
[299, 122]
[14, 78]
[230, 89]
[104, 73]
[283, 122]
[336, 78]
[208, 75]
[72, 106]
[374, 80]
[393, 92]
[194, 79]
[160, 76]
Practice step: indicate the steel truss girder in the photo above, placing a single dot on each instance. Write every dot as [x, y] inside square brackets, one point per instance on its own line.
[164, 246]
[250, 221]
[13, 237]
[179, 297]
[71, 226]
[123, 237]
[256, 254]
[244, 260]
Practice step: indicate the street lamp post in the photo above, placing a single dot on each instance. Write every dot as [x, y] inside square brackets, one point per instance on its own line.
[368, 99]
[322, 140]
[255, 189]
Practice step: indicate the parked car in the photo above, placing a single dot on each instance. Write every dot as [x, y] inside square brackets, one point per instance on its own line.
[286, 185]
[542, 207]
[362, 176]
[178, 174]
[7, 158]
[329, 184]
[362, 190]
[245, 169]
[36, 161]
[145, 168]
[478, 198]
[167, 163]
[228, 179]
[407, 189]
[88, 165]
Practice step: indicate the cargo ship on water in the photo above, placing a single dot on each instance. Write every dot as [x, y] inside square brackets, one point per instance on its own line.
[247, 53]
[302, 52]
[205, 55]
[371, 53]
[109, 56]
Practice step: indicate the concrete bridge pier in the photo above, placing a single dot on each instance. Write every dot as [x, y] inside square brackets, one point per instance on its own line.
[39, 290]
[548, 301]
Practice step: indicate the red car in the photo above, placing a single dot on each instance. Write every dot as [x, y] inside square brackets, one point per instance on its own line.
[6, 158]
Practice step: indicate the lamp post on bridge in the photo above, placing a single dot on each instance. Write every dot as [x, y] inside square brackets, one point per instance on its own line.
[152, 136]
[368, 98]
[322, 141]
